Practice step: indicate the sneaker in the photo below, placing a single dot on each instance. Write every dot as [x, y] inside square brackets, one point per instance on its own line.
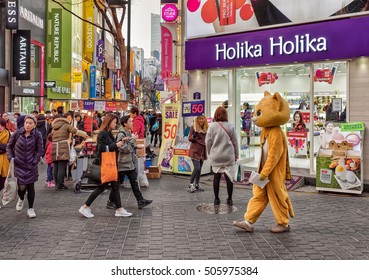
[19, 205]
[86, 211]
[143, 203]
[280, 228]
[191, 188]
[110, 205]
[243, 225]
[31, 213]
[122, 213]
[216, 201]
[198, 188]
[50, 184]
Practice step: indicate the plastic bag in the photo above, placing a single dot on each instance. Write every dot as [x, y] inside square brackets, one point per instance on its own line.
[10, 186]
[143, 181]
[72, 156]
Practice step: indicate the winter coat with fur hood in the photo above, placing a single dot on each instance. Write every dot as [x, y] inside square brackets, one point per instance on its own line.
[198, 147]
[61, 130]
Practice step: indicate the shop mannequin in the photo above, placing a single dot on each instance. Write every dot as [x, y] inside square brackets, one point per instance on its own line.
[326, 136]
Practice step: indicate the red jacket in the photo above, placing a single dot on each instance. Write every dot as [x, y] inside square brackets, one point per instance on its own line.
[10, 126]
[139, 126]
[49, 149]
[89, 124]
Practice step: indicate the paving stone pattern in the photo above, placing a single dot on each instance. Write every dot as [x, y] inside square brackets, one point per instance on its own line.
[326, 226]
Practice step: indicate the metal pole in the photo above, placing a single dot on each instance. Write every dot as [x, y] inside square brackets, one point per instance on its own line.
[128, 46]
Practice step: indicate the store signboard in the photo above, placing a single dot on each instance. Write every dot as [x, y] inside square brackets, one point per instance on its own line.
[92, 81]
[56, 38]
[88, 105]
[166, 51]
[193, 108]
[22, 55]
[12, 14]
[339, 163]
[207, 18]
[169, 12]
[310, 42]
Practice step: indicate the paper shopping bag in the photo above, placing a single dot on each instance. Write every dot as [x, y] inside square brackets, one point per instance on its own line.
[10, 186]
[109, 170]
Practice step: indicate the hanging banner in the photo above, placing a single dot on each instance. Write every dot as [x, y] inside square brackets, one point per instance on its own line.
[12, 13]
[110, 106]
[166, 52]
[88, 105]
[22, 55]
[92, 81]
[99, 106]
[88, 30]
[193, 108]
[173, 83]
[100, 50]
[170, 118]
[56, 38]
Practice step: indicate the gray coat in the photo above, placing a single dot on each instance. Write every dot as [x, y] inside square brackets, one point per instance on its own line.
[126, 154]
[219, 145]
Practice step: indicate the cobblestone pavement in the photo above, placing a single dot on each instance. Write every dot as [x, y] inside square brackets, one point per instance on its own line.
[326, 226]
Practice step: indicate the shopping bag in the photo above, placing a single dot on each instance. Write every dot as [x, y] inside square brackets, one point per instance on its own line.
[10, 186]
[109, 169]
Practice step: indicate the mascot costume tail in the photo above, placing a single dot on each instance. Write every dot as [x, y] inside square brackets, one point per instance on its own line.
[270, 113]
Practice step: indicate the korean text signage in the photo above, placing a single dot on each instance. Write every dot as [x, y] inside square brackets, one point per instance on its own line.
[22, 54]
[193, 108]
[56, 38]
[12, 14]
[169, 12]
[299, 43]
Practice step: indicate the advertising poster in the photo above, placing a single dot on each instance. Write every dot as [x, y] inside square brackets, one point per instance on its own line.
[193, 108]
[99, 106]
[88, 105]
[170, 118]
[297, 137]
[339, 162]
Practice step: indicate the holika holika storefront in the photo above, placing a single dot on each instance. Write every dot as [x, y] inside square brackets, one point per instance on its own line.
[321, 69]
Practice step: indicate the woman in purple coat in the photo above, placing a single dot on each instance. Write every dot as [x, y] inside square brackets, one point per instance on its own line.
[26, 148]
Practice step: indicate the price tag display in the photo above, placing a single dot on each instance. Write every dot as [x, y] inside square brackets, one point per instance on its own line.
[193, 108]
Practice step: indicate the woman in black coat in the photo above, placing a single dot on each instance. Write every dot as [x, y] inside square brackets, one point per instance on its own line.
[104, 139]
[26, 148]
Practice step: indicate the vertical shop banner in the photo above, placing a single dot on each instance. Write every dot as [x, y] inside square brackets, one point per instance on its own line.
[166, 52]
[339, 163]
[88, 105]
[12, 12]
[85, 80]
[56, 38]
[170, 118]
[100, 50]
[88, 30]
[193, 108]
[22, 55]
[92, 81]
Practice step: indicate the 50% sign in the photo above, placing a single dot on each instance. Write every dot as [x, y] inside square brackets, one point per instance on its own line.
[193, 108]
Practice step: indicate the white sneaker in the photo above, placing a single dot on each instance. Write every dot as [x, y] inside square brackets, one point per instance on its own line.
[191, 188]
[122, 213]
[19, 205]
[31, 213]
[86, 211]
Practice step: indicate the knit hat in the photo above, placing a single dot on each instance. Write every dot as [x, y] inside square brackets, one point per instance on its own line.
[32, 117]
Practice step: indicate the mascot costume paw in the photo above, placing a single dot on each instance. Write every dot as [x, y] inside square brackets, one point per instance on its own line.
[270, 113]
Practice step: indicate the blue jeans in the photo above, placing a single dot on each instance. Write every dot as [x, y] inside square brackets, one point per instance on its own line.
[49, 172]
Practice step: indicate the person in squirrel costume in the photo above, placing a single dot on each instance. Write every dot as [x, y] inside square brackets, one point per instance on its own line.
[270, 113]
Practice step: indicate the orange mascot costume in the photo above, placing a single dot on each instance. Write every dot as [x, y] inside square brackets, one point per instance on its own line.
[270, 113]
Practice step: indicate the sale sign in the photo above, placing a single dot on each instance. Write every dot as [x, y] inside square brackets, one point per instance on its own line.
[170, 117]
[193, 108]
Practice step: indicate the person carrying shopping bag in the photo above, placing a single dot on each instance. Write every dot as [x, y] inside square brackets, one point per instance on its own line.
[26, 148]
[106, 139]
[4, 162]
[126, 166]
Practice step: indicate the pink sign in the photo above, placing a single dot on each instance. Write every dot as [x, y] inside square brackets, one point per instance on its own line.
[166, 52]
[169, 12]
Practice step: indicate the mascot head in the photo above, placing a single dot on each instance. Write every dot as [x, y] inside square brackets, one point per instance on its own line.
[272, 110]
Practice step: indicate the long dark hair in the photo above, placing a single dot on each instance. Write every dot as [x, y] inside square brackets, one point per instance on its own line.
[107, 122]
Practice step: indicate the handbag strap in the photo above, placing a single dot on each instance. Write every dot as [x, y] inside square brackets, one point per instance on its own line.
[234, 145]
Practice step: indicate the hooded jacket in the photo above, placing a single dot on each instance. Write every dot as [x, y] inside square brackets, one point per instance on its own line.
[198, 147]
[61, 130]
[42, 126]
[26, 151]
[20, 121]
[139, 126]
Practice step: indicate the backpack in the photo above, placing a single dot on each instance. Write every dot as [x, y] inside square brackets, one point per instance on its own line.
[155, 127]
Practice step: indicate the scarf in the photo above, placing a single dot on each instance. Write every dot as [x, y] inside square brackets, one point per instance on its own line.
[4, 162]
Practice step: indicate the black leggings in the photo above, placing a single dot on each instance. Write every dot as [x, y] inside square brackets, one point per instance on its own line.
[196, 173]
[216, 182]
[30, 188]
[100, 189]
[132, 176]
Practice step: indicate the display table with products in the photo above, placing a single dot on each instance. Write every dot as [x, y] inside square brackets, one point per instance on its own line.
[182, 163]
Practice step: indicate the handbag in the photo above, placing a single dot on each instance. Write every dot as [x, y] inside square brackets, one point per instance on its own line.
[93, 171]
[10, 186]
[109, 169]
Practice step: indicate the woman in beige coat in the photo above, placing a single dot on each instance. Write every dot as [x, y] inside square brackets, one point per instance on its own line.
[61, 130]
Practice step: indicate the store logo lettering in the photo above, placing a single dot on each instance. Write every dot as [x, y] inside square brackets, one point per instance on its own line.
[280, 46]
[301, 44]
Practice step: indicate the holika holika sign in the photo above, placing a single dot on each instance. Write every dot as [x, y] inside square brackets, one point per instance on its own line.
[337, 39]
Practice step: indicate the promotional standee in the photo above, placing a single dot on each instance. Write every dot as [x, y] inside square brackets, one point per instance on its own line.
[340, 158]
[182, 163]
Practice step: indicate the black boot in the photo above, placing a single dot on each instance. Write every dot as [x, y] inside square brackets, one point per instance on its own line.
[143, 203]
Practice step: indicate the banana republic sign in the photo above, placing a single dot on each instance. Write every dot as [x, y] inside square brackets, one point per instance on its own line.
[22, 54]
[12, 14]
